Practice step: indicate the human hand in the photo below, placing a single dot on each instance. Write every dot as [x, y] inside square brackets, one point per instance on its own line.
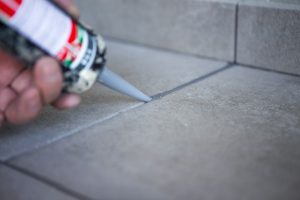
[24, 92]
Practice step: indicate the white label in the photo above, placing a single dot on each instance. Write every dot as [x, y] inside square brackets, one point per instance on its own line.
[43, 24]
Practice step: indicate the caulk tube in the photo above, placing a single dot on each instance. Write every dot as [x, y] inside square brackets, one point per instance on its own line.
[34, 28]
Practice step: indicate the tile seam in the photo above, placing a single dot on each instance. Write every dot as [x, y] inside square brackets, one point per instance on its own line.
[197, 80]
[236, 27]
[47, 182]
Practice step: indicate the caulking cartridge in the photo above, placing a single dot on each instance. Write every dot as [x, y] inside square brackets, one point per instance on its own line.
[32, 29]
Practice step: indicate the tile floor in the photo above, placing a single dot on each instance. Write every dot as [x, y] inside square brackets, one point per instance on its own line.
[213, 132]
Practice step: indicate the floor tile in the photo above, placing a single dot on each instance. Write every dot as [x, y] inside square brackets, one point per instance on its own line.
[16, 186]
[203, 28]
[269, 1]
[268, 36]
[232, 136]
[150, 70]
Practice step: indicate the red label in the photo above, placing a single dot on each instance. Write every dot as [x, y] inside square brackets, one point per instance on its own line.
[71, 50]
[8, 8]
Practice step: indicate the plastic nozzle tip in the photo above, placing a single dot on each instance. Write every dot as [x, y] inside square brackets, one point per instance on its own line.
[115, 82]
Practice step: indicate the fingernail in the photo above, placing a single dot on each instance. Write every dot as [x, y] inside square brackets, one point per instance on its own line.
[73, 102]
[50, 74]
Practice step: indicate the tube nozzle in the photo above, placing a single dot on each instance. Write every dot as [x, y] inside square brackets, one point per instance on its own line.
[117, 83]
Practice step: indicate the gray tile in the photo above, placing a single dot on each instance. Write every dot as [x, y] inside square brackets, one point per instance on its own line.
[233, 136]
[151, 71]
[268, 36]
[203, 28]
[285, 1]
[271, 1]
[16, 186]
[259, 1]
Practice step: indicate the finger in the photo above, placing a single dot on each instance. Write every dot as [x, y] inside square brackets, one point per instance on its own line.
[23, 81]
[48, 79]
[9, 68]
[7, 95]
[69, 6]
[67, 101]
[25, 108]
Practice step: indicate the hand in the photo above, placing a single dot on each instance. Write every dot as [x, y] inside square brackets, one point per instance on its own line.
[24, 92]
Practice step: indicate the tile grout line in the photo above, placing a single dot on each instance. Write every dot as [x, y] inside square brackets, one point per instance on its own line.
[201, 78]
[46, 181]
[236, 26]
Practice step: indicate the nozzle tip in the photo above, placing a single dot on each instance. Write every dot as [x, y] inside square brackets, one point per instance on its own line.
[115, 82]
[146, 99]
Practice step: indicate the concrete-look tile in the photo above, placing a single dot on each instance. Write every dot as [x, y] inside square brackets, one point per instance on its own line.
[233, 136]
[150, 70]
[16, 186]
[269, 1]
[268, 36]
[284, 1]
[203, 28]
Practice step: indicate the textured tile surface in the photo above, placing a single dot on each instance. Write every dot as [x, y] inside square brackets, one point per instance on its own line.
[270, 1]
[233, 136]
[151, 71]
[269, 37]
[16, 186]
[191, 26]
[285, 1]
